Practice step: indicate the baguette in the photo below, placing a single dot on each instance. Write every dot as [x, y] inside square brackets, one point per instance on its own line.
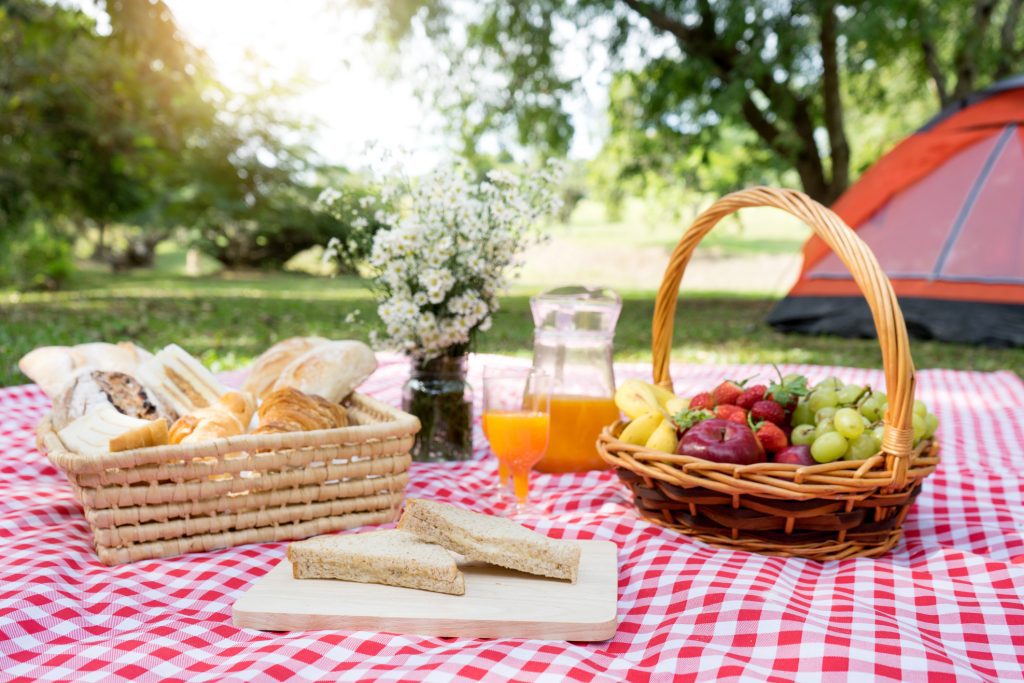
[389, 557]
[494, 540]
[268, 367]
[331, 370]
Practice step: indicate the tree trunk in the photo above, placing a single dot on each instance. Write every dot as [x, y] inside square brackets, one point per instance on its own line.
[100, 252]
[832, 94]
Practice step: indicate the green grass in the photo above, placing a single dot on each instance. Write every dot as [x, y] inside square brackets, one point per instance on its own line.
[755, 231]
[228, 318]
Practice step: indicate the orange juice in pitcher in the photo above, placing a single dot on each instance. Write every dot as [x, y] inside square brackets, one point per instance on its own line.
[573, 336]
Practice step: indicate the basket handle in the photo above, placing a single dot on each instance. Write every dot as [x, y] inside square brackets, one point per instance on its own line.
[898, 439]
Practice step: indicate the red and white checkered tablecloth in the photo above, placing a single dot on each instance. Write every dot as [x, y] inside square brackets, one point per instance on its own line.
[946, 604]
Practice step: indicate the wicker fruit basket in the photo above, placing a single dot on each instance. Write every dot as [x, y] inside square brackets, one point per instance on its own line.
[847, 508]
[170, 500]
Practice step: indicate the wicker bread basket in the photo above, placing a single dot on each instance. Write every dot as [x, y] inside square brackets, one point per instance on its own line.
[170, 500]
[847, 508]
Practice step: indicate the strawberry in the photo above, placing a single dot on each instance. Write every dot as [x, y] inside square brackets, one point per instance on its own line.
[731, 413]
[727, 392]
[771, 438]
[768, 411]
[702, 401]
[751, 396]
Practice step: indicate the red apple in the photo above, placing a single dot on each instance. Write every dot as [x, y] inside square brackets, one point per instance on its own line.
[795, 455]
[721, 441]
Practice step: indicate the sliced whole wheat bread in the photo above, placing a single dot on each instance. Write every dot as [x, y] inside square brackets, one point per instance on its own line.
[494, 540]
[390, 557]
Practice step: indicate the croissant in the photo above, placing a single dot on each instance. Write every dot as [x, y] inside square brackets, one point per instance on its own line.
[229, 416]
[290, 410]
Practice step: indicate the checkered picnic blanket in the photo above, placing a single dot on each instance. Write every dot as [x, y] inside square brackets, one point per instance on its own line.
[947, 603]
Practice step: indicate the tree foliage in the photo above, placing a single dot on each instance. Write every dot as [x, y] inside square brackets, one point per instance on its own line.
[714, 92]
[127, 135]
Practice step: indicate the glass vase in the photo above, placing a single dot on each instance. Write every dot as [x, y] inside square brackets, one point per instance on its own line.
[438, 394]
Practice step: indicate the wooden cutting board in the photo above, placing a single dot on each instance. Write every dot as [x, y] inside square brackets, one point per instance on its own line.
[499, 603]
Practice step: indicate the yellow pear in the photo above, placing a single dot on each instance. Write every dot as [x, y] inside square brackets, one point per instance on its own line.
[663, 438]
[676, 405]
[661, 393]
[634, 398]
[640, 429]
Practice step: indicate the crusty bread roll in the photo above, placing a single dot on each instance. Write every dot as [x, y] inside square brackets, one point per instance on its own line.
[183, 380]
[90, 389]
[229, 416]
[330, 370]
[290, 410]
[53, 367]
[272, 362]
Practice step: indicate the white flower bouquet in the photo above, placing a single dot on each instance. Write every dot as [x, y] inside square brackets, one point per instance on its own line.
[448, 247]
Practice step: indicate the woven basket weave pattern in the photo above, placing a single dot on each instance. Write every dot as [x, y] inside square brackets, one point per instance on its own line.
[169, 500]
[829, 511]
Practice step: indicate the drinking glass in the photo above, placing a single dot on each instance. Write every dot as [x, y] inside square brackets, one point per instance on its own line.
[517, 423]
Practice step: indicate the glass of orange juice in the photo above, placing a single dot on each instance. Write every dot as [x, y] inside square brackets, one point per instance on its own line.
[517, 423]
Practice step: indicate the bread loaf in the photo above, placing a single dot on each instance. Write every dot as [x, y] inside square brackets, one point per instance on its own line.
[272, 362]
[331, 370]
[90, 389]
[53, 367]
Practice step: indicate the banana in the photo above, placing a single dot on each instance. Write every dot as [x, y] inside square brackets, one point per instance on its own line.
[676, 405]
[634, 398]
[663, 438]
[640, 429]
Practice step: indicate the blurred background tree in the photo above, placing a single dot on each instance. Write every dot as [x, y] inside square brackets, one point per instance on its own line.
[115, 140]
[711, 93]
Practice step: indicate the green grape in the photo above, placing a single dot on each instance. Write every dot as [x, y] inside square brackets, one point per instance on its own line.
[867, 422]
[824, 397]
[848, 423]
[931, 423]
[849, 394]
[919, 427]
[831, 383]
[824, 414]
[880, 395]
[823, 427]
[864, 446]
[803, 435]
[828, 447]
[920, 409]
[879, 432]
[802, 414]
[869, 408]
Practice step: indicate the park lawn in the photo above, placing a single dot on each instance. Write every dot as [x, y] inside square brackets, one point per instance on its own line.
[228, 318]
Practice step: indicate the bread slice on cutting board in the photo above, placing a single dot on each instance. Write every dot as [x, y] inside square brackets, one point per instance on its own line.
[493, 540]
[390, 557]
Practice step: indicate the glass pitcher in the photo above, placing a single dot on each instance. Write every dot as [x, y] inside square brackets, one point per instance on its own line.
[574, 328]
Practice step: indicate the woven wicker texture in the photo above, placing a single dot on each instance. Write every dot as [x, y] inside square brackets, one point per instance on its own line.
[169, 500]
[830, 511]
